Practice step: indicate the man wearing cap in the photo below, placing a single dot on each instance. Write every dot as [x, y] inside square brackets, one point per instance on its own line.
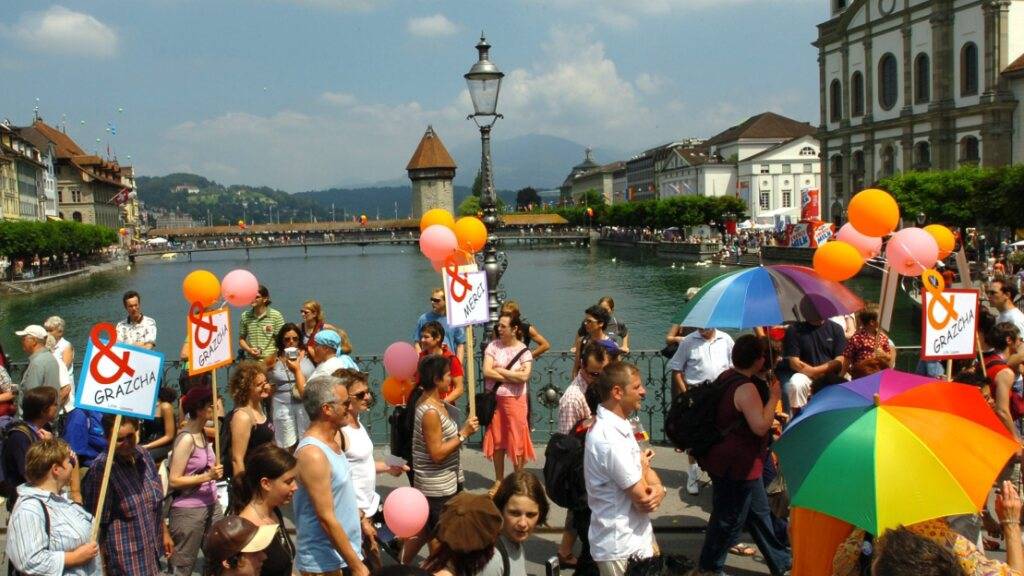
[43, 369]
[454, 338]
[622, 487]
[328, 521]
[700, 358]
[259, 326]
[235, 546]
[328, 356]
[136, 329]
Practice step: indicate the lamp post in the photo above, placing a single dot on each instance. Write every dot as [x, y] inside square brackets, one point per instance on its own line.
[484, 81]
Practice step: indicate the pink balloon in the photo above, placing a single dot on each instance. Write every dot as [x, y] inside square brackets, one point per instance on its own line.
[400, 360]
[911, 250]
[437, 242]
[868, 246]
[239, 288]
[406, 511]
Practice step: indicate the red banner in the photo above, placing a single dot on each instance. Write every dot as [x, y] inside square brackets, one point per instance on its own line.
[810, 204]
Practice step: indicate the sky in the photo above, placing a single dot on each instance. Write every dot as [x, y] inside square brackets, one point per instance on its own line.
[309, 94]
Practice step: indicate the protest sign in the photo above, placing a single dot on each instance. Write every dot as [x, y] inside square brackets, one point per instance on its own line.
[209, 341]
[465, 295]
[949, 324]
[118, 378]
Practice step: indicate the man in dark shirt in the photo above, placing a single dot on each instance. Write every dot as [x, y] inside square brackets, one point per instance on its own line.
[39, 408]
[812, 349]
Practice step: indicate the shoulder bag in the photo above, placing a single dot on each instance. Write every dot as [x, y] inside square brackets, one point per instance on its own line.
[487, 401]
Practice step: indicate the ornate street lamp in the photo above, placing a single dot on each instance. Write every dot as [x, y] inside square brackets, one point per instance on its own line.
[484, 81]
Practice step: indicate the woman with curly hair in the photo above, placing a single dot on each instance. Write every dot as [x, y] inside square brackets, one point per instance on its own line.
[250, 426]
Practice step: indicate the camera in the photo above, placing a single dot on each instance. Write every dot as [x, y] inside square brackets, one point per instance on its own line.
[291, 352]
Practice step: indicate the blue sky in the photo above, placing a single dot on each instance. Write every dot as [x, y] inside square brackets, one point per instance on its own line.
[305, 94]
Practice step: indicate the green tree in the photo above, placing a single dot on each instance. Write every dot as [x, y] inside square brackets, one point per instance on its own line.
[592, 198]
[526, 197]
[470, 206]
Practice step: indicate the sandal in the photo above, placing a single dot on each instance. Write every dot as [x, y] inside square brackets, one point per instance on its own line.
[568, 561]
[742, 549]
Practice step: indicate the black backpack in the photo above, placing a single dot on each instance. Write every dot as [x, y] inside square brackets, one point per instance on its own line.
[402, 421]
[8, 487]
[225, 445]
[690, 421]
[563, 471]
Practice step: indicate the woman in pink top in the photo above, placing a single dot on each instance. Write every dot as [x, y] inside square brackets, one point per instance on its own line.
[507, 364]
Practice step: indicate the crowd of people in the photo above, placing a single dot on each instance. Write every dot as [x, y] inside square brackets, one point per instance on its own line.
[293, 445]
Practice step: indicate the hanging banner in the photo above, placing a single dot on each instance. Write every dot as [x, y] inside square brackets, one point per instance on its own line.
[465, 294]
[949, 324]
[810, 204]
[118, 378]
[209, 340]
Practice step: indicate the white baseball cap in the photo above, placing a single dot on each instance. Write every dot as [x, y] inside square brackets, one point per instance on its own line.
[34, 330]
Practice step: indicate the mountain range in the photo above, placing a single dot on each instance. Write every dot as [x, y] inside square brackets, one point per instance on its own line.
[537, 161]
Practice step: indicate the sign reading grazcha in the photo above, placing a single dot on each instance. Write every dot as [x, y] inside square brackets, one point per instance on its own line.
[118, 378]
[949, 324]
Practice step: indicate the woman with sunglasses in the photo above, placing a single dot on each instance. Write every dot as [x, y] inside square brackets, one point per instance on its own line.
[313, 321]
[359, 451]
[53, 535]
[287, 372]
[507, 366]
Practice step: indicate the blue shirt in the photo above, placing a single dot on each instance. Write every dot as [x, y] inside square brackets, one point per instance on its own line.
[83, 430]
[452, 336]
[314, 550]
[31, 550]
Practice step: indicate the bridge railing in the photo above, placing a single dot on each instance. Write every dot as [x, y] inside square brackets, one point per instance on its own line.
[551, 374]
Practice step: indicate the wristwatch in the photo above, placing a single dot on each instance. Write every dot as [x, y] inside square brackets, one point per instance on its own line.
[462, 439]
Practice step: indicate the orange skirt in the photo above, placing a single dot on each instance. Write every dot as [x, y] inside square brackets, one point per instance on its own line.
[510, 429]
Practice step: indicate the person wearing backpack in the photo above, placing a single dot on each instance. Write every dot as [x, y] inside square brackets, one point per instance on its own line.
[745, 413]
[39, 408]
[54, 534]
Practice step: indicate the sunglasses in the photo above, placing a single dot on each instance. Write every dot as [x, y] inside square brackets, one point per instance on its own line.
[361, 395]
[290, 339]
[304, 312]
[593, 374]
[436, 300]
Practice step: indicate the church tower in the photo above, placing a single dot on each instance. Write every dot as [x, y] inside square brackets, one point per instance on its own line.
[431, 170]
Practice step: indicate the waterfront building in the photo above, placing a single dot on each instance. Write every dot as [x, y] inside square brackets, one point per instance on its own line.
[600, 179]
[89, 187]
[46, 184]
[431, 170]
[776, 181]
[672, 175]
[173, 219]
[22, 174]
[640, 176]
[619, 185]
[565, 195]
[917, 85]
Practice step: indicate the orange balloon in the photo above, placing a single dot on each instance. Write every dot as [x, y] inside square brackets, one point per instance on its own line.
[470, 233]
[873, 212]
[201, 286]
[437, 216]
[943, 237]
[837, 260]
[395, 391]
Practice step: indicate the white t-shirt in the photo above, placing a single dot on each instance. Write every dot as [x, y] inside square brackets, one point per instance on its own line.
[327, 367]
[702, 360]
[1015, 317]
[611, 465]
[67, 377]
[359, 451]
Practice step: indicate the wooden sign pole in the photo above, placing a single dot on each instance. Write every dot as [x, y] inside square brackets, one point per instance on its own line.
[106, 477]
[949, 370]
[887, 298]
[216, 420]
[471, 371]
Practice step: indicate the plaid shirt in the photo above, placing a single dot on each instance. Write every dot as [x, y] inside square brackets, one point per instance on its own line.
[131, 535]
[572, 407]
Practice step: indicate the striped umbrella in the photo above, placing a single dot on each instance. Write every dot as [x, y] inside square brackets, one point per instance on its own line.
[767, 296]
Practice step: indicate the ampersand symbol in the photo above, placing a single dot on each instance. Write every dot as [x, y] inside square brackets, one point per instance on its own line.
[195, 315]
[934, 284]
[103, 337]
[453, 271]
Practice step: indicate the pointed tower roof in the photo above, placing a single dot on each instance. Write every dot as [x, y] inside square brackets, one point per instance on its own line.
[430, 154]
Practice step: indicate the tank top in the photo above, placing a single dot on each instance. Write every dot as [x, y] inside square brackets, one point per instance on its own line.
[280, 552]
[431, 478]
[315, 553]
[199, 461]
[740, 454]
[262, 432]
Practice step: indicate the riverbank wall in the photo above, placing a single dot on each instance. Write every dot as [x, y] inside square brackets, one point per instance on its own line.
[46, 283]
[705, 251]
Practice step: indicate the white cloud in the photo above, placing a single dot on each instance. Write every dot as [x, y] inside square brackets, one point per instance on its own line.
[59, 30]
[649, 83]
[431, 26]
[342, 99]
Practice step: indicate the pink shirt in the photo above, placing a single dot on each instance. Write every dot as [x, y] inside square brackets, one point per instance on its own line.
[502, 355]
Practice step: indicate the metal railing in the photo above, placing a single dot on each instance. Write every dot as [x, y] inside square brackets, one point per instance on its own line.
[551, 374]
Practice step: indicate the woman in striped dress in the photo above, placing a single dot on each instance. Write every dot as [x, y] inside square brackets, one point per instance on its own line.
[435, 447]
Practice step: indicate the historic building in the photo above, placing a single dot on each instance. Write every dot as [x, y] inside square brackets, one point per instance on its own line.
[565, 191]
[600, 179]
[916, 85]
[21, 180]
[431, 170]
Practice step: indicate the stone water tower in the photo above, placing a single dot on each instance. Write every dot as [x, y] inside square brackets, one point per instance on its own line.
[431, 170]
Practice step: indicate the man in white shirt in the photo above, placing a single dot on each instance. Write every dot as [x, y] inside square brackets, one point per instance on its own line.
[622, 487]
[700, 358]
[136, 329]
[1001, 296]
[327, 355]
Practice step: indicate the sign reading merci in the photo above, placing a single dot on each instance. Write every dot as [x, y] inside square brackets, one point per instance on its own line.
[209, 340]
[117, 378]
[465, 295]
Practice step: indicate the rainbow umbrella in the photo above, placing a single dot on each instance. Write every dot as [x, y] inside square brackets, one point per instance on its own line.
[767, 296]
[894, 448]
